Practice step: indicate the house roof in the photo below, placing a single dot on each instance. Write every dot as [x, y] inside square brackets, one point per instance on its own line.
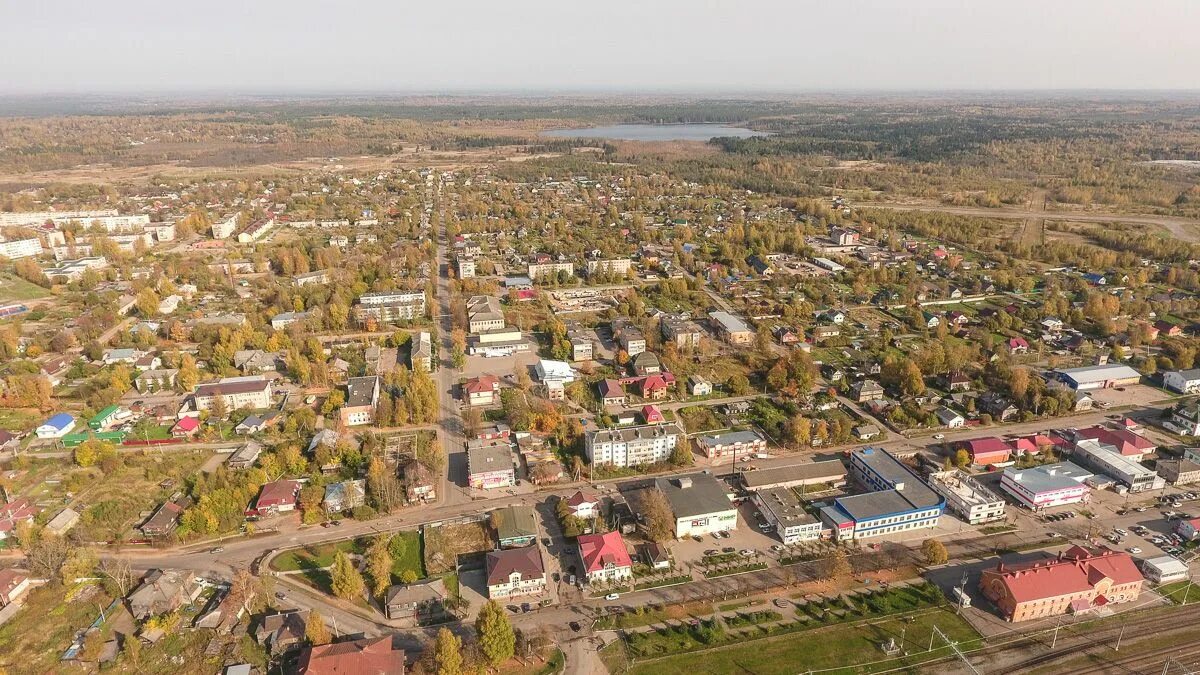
[527, 561]
[9, 580]
[370, 656]
[59, 421]
[278, 492]
[187, 424]
[611, 388]
[599, 551]
[651, 414]
[1126, 442]
[515, 522]
[579, 498]
[696, 494]
[482, 384]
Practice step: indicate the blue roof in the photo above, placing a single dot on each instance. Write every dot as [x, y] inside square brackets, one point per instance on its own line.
[60, 421]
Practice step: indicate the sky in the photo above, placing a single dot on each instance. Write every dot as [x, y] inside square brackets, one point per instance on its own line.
[648, 46]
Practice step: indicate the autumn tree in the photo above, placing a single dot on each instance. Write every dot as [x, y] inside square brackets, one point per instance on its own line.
[347, 583]
[660, 520]
[497, 641]
[315, 630]
[447, 653]
[934, 552]
[379, 565]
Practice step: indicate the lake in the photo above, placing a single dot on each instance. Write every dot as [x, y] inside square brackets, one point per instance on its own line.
[656, 132]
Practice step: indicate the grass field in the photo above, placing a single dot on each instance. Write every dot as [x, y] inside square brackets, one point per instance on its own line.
[15, 289]
[848, 646]
[19, 419]
[313, 559]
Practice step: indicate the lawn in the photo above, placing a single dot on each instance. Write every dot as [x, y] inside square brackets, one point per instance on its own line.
[834, 647]
[33, 641]
[113, 504]
[20, 419]
[700, 418]
[1176, 591]
[646, 615]
[313, 559]
[15, 289]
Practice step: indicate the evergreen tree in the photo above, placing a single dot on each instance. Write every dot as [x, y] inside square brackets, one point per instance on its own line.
[496, 638]
[447, 653]
[315, 629]
[347, 582]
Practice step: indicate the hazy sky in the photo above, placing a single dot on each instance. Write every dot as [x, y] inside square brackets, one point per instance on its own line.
[650, 45]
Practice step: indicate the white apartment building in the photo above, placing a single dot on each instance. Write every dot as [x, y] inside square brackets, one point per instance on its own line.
[236, 392]
[20, 248]
[632, 446]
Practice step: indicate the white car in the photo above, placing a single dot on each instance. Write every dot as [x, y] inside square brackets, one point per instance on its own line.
[612, 596]
[938, 437]
[1134, 550]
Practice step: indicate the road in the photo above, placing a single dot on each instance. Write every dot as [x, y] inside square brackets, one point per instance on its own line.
[1186, 229]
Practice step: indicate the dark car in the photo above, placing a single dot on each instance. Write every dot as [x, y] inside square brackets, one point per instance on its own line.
[574, 626]
[545, 541]
[728, 549]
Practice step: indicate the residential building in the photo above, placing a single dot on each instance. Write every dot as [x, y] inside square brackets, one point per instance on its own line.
[13, 514]
[684, 333]
[698, 386]
[252, 392]
[866, 390]
[987, 451]
[345, 495]
[541, 270]
[318, 277]
[966, 497]
[1099, 377]
[1185, 417]
[150, 381]
[823, 474]
[368, 656]
[223, 228]
[1048, 485]
[548, 371]
[1188, 528]
[949, 418]
[256, 230]
[700, 504]
[20, 248]
[165, 518]
[416, 604]
[390, 306]
[418, 481]
[1077, 581]
[632, 446]
[515, 572]
[285, 319]
[605, 558]
[13, 584]
[785, 512]
[282, 631]
[490, 464]
[731, 444]
[56, 427]
[611, 392]
[583, 504]
[1183, 381]
[162, 592]
[582, 347]
[646, 363]
[629, 337]
[464, 267]
[484, 314]
[615, 266]
[515, 525]
[362, 400]
[896, 500]
[63, 521]
[245, 456]
[730, 328]
[482, 390]
[1179, 471]
[277, 497]
[421, 353]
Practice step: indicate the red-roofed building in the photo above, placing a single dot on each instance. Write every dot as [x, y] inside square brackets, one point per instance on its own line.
[583, 504]
[1078, 580]
[652, 415]
[1037, 443]
[13, 585]
[1017, 345]
[1188, 529]
[605, 557]
[482, 390]
[654, 388]
[371, 656]
[13, 514]
[990, 450]
[1125, 441]
[186, 427]
[277, 497]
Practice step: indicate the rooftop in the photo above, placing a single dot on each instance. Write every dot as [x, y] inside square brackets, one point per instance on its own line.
[1049, 477]
[526, 560]
[826, 472]
[785, 506]
[696, 494]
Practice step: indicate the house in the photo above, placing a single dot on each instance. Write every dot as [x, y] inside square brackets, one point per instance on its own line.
[652, 415]
[1017, 345]
[13, 584]
[554, 371]
[866, 390]
[1188, 528]
[699, 502]
[416, 604]
[13, 514]
[482, 390]
[1052, 325]
[515, 572]
[604, 556]
[418, 481]
[362, 400]
[156, 380]
[105, 418]
[515, 525]
[698, 386]
[186, 427]
[999, 407]
[654, 388]
[253, 424]
[646, 363]
[1168, 329]
[611, 392]
[655, 556]
[583, 505]
[163, 591]
[1185, 417]
[824, 332]
[421, 353]
[281, 632]
[252, 392]
[345, 496]
[865, 432]
[165, 518]
[930, 319]
[949, 419]
[277, 497]
[956, 381]
[63, 521]
[56, 427]
[730, 328]
[1078, 580]
[245, 456]
[254, 361]
[1183, 381]
[9, 441]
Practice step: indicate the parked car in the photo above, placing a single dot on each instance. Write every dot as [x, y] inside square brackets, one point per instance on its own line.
[612, 596]
[728, 549]
[1134, 550]
[747, 552]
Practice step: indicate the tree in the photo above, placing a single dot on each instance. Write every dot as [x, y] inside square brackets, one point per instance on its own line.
[840, 564]
[131, 649]
[347, 583]
[496, 638]
[147, 302]
[739, 385]
[934, 552]
[315, 630]
[681, 455]
[447, 653]
[660, 520]
[408, 577]
[80, 563]
[118, 573]
[379, 565]
[962, 458]
[188, 375]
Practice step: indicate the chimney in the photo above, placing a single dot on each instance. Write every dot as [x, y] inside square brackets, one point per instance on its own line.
[685, 482]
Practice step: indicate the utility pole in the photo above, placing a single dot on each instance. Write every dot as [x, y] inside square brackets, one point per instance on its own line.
[1120, 635]
[1055, 640]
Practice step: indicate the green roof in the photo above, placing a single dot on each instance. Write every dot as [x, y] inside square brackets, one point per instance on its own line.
[105, 414]
[72, 440]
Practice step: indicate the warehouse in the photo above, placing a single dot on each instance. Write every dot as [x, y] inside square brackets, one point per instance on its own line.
[829, 472]
[1099, 377]
[699, 503]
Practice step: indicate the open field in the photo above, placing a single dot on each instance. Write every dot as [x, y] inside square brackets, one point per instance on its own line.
[15, 289]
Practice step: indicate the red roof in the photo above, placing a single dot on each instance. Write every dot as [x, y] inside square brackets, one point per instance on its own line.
[580, 498]
[16, 511]
[1076, 570]
[651, 414]
[278, 493]
[653, 383]
[372, 656]
[988, 450]
[602, 550]
[186, 424]
[482, 384]
[1127, 442]
[1018, 343]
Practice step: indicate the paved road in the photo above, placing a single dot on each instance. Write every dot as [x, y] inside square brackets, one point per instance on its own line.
[1186, 229]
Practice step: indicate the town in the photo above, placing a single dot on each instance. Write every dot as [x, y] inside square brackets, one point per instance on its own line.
[420, 387]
